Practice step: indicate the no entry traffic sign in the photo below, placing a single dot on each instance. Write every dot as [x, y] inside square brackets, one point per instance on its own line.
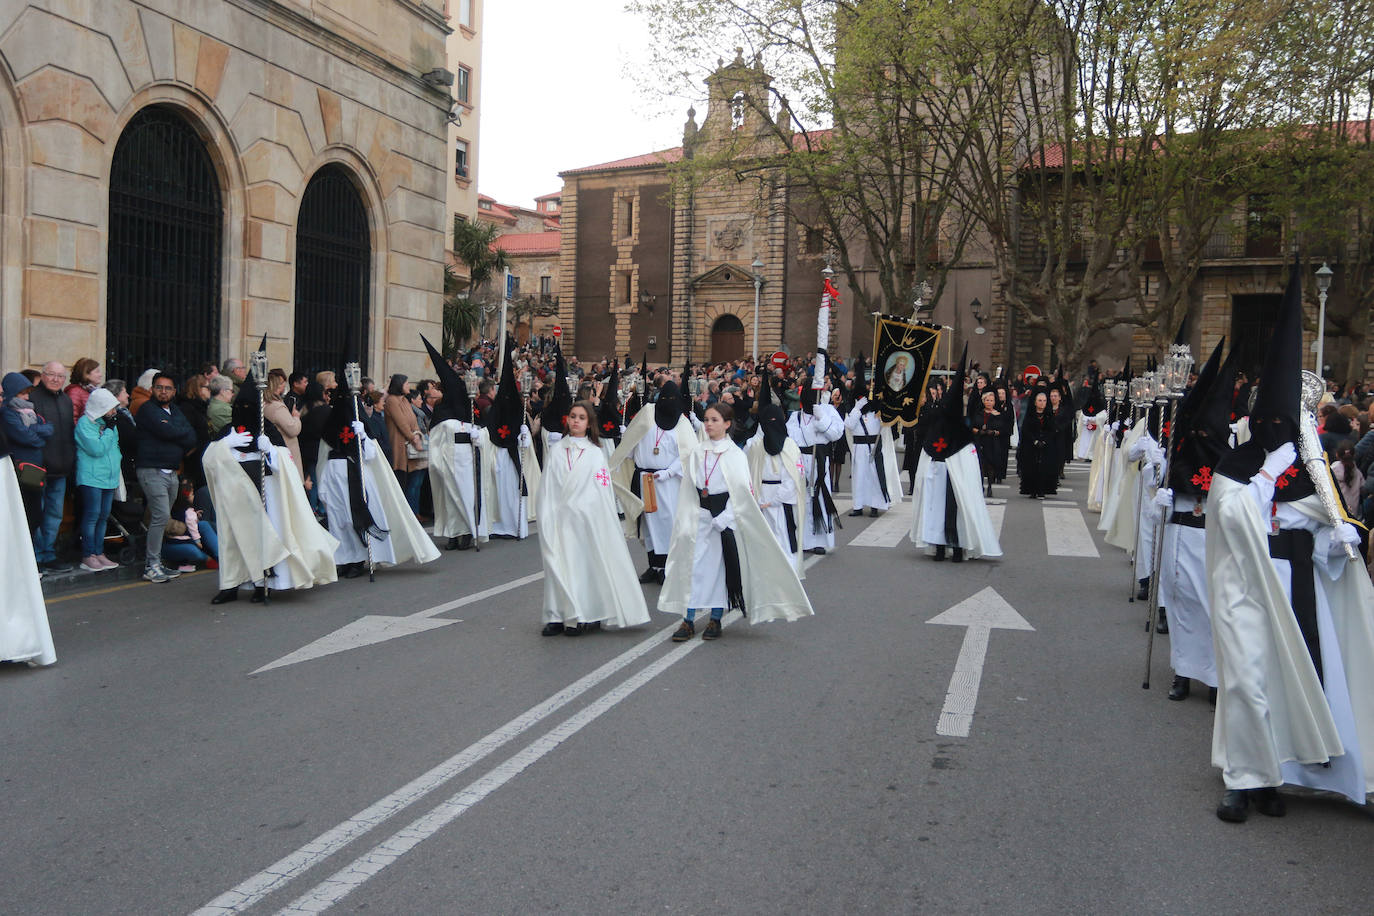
[779, 360]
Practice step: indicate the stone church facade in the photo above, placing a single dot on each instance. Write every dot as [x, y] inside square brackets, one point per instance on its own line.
[180, 179]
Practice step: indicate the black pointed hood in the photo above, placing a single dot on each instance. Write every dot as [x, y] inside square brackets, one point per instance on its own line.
[507, 412]
[244, 411]
[456, 403]
[668, 407]
[773, 426]
[1277, 412]
[560, 402]
[809, 395]
[950, 430]
[338, 427]
[1194, 444]
[608, 415]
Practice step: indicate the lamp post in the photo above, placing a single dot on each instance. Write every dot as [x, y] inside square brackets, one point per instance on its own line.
[758, 286]
[977, 308]
[1323, 284]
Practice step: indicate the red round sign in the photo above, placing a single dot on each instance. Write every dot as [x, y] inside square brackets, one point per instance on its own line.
[1031, 373]
[558, 330]
[778, 360]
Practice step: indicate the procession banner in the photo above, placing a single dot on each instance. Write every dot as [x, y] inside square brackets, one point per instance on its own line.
[903, 353]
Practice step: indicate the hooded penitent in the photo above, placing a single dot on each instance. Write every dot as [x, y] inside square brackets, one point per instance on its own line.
[456, 403]
[685, 392]
[555, 416]
[949, 430]
[808, 394]
[608, 415]
[1205, 433]
[668, 407]
[244, 414]
[507, 412]
[338, 436]
[1206, 376]
[1274, 418]
[771, 421]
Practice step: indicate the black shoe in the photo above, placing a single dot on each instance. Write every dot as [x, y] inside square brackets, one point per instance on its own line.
[712, 630]
[1180, 688]
[551, 629]
[574, 629]
[464, 542]
[593, 627]
[226, 595]
[649, 575]
[939, 553]
[958, 555]
[1162, 627]
[854, 513]
[57, 566]
[350, 571]
[817, 551]
[259, 595]
[684, 632]
[872, 512]
[452, 544]
[1269, 802]
[1143, 593]
[1234, 807]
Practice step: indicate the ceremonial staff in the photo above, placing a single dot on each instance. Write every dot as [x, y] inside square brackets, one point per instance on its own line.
[257, 362]
[1142, 391]
[1176, 368]
[353, 378]
[1311, 454]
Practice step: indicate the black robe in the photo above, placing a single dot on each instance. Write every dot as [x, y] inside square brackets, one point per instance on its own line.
[1038, 457]
[990, 437]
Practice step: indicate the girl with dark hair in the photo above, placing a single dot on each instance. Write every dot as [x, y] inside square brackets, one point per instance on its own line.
[589, 578]
[1349, 480]
[723, 554]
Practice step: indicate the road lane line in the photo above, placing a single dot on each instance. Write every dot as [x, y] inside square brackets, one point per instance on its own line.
[251, 891]
[888, 530]
[1066, 534]
[997, 514]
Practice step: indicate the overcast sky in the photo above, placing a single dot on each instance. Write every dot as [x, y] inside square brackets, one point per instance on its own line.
[556, 94]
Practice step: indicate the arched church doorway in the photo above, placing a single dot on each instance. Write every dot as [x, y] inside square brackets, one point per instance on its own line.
[163, 295]
[333, 271]
[727, 339]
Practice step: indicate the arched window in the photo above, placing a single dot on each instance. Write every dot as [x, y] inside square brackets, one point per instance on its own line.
[333, 272]
[163, 295]
[727, 339]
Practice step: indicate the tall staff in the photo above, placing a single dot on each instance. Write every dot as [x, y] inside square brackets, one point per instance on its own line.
[353, 377]
[1176, 368]
[1141, 391]
[257, 364]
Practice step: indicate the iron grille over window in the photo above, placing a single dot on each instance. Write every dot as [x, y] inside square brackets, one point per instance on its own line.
[333, 270]
[163, 306]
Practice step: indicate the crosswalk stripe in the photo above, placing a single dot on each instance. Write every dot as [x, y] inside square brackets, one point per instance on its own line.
[1066, 533]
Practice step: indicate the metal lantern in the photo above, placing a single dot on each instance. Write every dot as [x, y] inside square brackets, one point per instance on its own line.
[353, 376]
[257, 365]
[1178, 364]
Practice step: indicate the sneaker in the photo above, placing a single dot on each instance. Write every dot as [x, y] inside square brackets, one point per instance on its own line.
[56, 567]
[712, 630]
[186, 567]
[92, 564]
[169, 573]
[685, 632]
[107, 562]
[155, 574]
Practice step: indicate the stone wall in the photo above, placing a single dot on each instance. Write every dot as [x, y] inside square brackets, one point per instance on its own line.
[275, 90]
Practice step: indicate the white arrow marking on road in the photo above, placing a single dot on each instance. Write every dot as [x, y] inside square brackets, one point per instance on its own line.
[372, 629]
[982, 613]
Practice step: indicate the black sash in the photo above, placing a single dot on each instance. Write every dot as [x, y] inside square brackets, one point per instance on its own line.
[951, 513]
[255, 470]
[1188, 520]
[462, 438]
[729, 549]
[476, 483]
[791, 518]
[877, 458]
[865, 440]
[823, 510]
[1295, 546]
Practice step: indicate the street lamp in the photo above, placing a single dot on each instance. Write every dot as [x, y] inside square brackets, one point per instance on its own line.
[758, 286]
[1323, 284]
[977, 308]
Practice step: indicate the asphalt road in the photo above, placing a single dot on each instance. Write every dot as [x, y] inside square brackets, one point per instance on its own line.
[475, 767]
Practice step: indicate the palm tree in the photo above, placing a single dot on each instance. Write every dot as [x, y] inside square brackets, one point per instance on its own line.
[475, 245]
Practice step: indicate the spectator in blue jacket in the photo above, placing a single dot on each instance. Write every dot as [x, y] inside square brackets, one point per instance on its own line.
[164, 438]
[26, 434]
[59, 456]
[97, 475]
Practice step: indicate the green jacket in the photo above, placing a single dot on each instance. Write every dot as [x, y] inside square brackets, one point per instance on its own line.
[219, 413]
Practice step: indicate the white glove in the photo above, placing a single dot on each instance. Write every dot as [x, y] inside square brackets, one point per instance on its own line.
[1278, 461]
[238, 439]
[269, 453]
[1345, 533]
[1164, 498]
[662, 475]
[359, 429]
[525, 441]
[264, 444]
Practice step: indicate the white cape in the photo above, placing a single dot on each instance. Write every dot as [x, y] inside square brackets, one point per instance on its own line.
[772, 590]
[588, 574]
[790, 460]
[405, 538]
[1272, 712]
[451, 480]
[249, 542]
[24, 632]
[976, 534]
[623, 467]
[1122, 509]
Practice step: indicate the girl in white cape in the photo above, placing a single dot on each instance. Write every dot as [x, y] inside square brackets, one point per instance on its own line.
[723, 554]
[589, 578]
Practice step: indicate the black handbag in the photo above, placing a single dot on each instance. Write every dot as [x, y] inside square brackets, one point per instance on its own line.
[30, 475]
